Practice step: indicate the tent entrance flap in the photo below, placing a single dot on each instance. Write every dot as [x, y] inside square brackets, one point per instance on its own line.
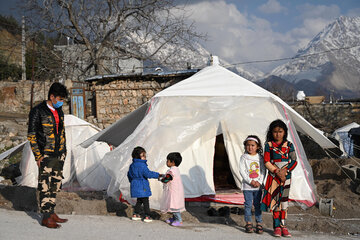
[223, 178]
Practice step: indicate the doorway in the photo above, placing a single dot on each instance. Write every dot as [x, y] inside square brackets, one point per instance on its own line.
[223, 178]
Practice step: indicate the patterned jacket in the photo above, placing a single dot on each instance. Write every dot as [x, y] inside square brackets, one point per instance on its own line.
[42, 133]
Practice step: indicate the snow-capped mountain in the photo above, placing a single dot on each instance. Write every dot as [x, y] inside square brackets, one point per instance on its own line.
[331, 59]
[197, 58]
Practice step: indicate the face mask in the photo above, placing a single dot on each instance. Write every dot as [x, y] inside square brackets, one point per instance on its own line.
[58, 104]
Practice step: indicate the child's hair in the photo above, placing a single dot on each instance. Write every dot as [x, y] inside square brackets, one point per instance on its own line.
[174, 157]
[277, 123]
[253, 138]
[57, 89]
[137, 151]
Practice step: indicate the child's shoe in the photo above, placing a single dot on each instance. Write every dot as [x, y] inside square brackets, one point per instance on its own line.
[136, 217]
[277, 232]
[147, 219]
[170, 220]
[176, 224]
[285, 232]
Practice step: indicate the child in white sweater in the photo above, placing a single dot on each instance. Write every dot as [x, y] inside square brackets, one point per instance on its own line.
[252, 170]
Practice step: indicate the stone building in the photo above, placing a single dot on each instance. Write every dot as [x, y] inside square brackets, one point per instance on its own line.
[114, 96]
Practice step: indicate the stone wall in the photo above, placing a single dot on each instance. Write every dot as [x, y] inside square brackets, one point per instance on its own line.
[115, 97]
[118, 98]
[15, 97]
[329, 117]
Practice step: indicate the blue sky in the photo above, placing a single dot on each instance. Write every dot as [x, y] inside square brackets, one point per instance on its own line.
[248, 30]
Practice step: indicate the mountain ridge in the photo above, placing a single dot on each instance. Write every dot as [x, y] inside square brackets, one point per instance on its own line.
[331, 60]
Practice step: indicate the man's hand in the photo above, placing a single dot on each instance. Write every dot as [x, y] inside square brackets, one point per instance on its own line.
[39, 161]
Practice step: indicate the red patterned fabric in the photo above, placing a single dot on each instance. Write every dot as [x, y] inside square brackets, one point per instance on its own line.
[275, 191]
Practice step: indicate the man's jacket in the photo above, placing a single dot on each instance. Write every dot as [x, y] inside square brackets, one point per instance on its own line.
[42, 133]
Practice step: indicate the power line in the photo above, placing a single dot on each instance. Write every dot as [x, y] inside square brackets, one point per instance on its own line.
[262, 61]
[291, 58]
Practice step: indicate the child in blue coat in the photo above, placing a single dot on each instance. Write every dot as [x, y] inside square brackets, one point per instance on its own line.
[139, 184]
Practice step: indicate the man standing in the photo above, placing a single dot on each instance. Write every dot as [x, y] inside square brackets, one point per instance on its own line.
[46, 134]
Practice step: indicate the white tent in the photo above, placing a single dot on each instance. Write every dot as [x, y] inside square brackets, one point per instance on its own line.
[80, 164]
[188, 116]
[342, 135]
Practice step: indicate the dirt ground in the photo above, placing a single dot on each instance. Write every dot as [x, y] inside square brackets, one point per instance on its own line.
[329, 180]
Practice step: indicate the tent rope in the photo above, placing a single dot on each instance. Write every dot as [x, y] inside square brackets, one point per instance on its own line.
[337, 163]
[326, 152]
[352, 158]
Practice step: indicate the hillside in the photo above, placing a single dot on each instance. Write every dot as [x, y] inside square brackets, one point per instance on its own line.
[336, 69]
[10, 46]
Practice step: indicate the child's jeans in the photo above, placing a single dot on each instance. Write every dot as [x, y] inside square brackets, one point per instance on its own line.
[252, 197]
[141, 201]
[177, 216]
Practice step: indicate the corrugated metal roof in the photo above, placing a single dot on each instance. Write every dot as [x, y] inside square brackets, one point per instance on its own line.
[154, 74]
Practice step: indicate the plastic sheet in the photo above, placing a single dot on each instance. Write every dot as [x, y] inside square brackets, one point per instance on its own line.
[81, 165]
[188, 116]
[189, 125]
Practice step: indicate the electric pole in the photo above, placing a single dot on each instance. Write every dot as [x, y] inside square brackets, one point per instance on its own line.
[23, 50]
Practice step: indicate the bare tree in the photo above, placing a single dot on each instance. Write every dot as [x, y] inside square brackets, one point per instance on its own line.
[115, 29]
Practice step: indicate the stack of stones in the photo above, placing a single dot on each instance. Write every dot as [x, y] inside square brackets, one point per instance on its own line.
[12, 133]
[118, 98]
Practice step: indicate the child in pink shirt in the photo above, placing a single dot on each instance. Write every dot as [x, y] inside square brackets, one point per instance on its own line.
[173, 195]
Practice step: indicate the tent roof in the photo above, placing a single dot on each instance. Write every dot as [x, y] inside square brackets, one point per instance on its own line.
[212, 81]
[120, 130]
[215, 81]
[346, 128]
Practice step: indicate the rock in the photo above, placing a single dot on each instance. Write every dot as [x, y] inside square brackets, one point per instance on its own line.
[154, 85]
[23, 133]
[8, 144]
[16, 138]
[11, 134]
[13, 131]
[20, 121]
[2, 146]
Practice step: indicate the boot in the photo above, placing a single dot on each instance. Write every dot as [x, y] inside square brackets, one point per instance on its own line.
[57, 219]
[50, 223]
